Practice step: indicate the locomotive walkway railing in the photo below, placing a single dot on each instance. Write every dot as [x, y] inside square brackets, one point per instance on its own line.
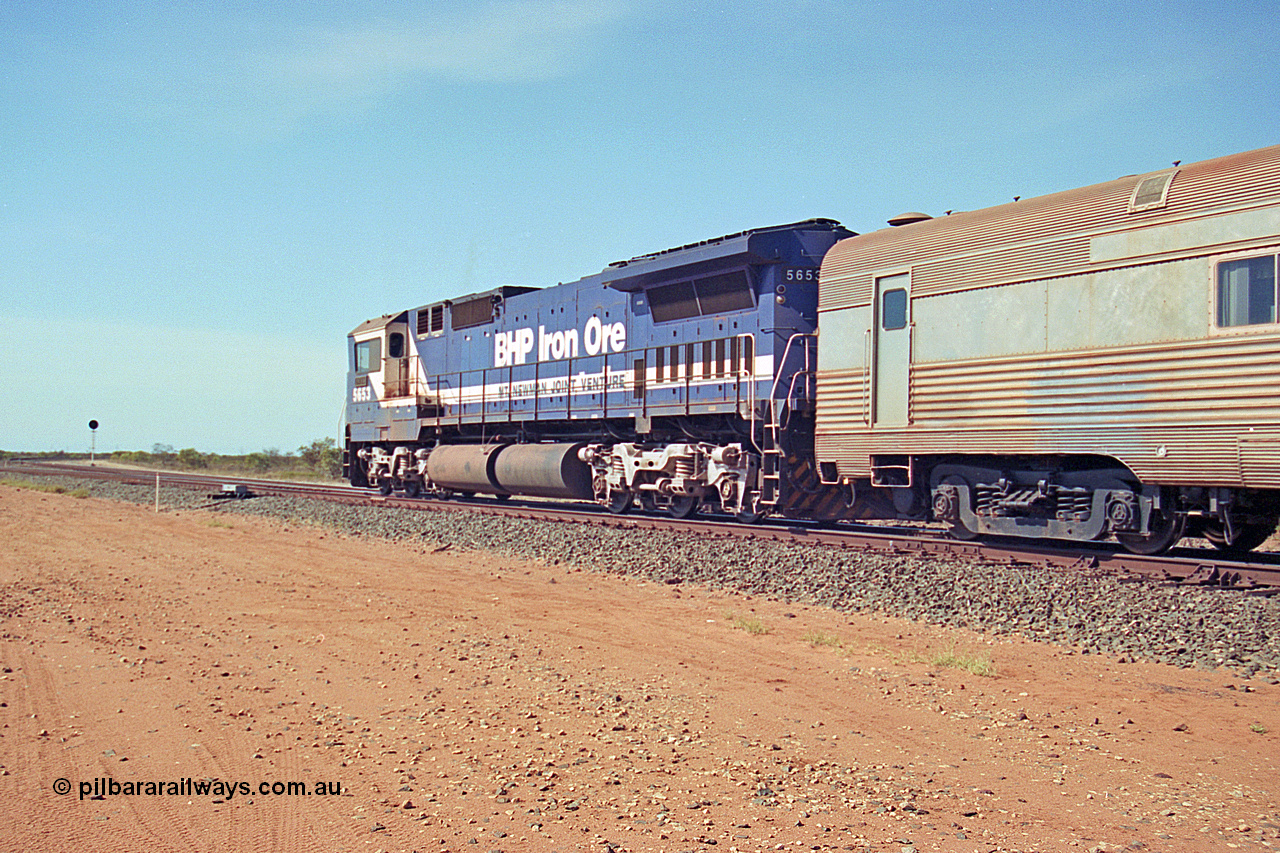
[710, 375]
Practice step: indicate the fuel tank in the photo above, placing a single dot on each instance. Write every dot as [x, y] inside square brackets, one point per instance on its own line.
[544, 471]
[533, 470]
[465, 468]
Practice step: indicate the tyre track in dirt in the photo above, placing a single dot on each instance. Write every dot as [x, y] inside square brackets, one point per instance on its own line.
[460, 697]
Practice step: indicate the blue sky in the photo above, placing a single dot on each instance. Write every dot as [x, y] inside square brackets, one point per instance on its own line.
[199, 201]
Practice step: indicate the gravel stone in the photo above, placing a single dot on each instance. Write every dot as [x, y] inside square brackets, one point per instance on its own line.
[1092, 613]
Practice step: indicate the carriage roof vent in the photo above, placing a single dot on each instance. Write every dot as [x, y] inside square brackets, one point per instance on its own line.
[1151, 193]
[908, 218]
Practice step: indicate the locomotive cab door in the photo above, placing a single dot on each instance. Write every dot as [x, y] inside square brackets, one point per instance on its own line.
[891, 362]
[395, 369]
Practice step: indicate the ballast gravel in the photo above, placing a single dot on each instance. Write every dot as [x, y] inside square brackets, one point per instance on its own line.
[1092, 613]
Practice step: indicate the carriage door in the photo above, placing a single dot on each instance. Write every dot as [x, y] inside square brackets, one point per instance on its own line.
[892, 359]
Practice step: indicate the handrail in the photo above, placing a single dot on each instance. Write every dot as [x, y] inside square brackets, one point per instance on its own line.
[866, 377]
[778, 371]
[450, 390]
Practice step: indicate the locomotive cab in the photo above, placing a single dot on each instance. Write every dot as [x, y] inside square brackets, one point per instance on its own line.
[380, 402]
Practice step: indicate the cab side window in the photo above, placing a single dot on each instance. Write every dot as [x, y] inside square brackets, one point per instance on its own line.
[1247, 292]
[369, 355]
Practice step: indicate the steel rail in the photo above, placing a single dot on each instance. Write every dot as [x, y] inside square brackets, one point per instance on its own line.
[1259, 572]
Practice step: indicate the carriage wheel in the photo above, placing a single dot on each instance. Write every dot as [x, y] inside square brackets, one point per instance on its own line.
[1248, 537]
[1166, 529]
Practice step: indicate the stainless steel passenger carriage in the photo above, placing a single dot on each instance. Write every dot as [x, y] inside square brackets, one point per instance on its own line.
[1093, 362]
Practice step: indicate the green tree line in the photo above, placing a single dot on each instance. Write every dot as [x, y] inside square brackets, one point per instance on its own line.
[321, 458]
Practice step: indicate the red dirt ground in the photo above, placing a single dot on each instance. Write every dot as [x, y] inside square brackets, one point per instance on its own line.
[465, 702]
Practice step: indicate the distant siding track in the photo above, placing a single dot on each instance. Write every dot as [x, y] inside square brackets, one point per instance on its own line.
[1259, 573]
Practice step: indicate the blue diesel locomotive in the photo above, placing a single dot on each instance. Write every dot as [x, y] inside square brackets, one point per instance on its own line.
[677, 380]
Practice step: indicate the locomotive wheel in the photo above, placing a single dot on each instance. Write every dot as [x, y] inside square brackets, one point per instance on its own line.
[384, 487]
[1250, 536]
[412, 489]
[619, 502]
[1166, 530]
[683, 506]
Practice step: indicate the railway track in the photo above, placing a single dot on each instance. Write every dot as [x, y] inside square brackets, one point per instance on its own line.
[1259, 573]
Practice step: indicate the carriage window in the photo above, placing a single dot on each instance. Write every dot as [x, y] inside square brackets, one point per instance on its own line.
[893, 309]
[369, 355]
[1247, 292]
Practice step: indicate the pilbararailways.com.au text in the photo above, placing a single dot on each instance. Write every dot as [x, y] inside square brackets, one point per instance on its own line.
[104, 787]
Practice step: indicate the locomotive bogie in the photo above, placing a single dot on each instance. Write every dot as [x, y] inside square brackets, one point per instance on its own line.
[722, 476]
[402, 468]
